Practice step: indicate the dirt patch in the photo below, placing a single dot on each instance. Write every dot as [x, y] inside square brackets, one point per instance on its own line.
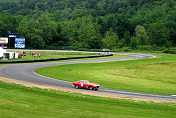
[28, 84]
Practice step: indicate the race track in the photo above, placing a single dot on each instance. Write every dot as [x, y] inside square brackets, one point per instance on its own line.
[25, 72]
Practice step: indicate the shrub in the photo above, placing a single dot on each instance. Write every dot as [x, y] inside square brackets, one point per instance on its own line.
[51, 47]
[170, 51]
[126, 49]
[145, 47]
[83, 49]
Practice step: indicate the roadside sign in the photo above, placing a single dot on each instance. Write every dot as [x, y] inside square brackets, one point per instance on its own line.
[14, 36]
[19, 42]
[3, 42]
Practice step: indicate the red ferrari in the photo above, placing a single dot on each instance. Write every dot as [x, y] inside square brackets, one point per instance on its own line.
[86, 84]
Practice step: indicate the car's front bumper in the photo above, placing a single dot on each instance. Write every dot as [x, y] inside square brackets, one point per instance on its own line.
[97, 87]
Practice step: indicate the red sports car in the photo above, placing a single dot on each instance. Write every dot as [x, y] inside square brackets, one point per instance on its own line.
[22, 53]
[86, 84]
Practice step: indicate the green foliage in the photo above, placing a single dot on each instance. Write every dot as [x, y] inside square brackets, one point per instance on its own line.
[170, 51]
[8, 23]
[126, 38]
[82, 32]
[125, 49]
[38, 32]
[110, 40]
[134, 42]
[141, 35]
[89, 33]
[84, 23]
[158, 34]
[146, 47]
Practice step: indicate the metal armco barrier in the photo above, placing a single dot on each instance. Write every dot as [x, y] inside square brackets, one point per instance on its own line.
[55, 59]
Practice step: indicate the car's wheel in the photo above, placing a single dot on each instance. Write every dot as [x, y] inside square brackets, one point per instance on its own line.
[76, 86]
[96, 88]
[90, 88]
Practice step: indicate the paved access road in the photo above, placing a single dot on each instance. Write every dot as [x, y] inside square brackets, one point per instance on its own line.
[25, 72]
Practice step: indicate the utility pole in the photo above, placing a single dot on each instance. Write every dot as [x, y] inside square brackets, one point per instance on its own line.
[9, 42]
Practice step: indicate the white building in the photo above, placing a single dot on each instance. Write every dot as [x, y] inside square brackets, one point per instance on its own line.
[8, 55]
[1, 52]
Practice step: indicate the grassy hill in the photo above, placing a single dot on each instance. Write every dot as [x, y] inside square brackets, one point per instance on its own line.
[19, 101]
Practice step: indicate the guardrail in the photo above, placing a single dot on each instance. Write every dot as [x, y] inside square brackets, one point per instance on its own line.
[54, 59]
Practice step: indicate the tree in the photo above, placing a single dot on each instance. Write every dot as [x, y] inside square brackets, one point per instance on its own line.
[171, 26]
[90, 33]
[110, 40]
[119, 24]
[8, 23]
[82, 32]
[134, 42]
[141, 35]
[126, 38]
[38, 32]
[3, 31]
[158, 34]
[69, 32]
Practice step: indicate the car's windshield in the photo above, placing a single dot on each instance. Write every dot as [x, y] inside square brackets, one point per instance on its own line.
[86, 82]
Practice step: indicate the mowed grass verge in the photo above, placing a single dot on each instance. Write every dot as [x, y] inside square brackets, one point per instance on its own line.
[53, 54]
[19, 101]
[156, 75]
[50, 55]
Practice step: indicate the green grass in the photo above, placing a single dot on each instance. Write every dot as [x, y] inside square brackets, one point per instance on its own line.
[156, 75]
[19, 101]
[52, 54]
[49, 55]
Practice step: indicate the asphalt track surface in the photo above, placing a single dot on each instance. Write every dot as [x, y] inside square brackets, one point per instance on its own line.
[25, 72]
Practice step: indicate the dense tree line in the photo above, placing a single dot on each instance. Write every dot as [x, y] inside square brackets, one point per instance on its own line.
[91, 24]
